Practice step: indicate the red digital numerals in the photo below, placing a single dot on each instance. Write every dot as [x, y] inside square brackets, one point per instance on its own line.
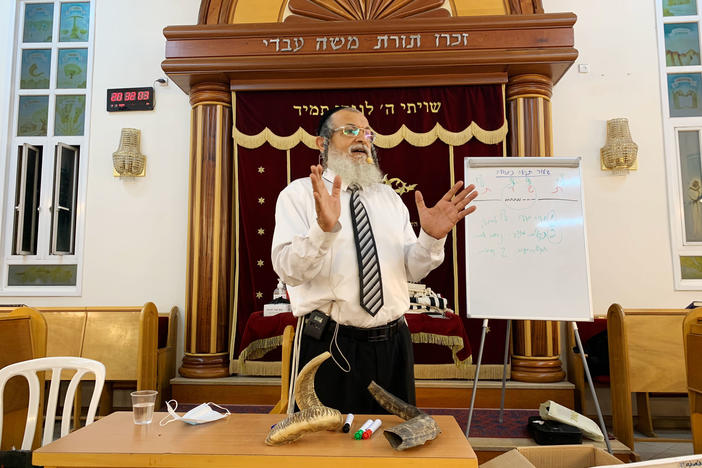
[130, 99]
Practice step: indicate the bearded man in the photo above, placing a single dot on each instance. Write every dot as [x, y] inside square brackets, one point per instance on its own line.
[344, 246]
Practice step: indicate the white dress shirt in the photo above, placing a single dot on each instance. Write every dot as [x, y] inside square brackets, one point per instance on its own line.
[320, 268]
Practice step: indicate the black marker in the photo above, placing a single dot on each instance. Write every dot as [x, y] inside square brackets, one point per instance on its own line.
[347, 424]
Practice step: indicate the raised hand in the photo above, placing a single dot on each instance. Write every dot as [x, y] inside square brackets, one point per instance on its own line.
[438, 220]
[327, 205]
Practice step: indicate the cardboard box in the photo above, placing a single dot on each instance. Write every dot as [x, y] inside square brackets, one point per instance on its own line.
[553, 456]
[675, 462]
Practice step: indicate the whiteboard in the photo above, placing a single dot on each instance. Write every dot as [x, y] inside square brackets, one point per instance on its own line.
[526, 251]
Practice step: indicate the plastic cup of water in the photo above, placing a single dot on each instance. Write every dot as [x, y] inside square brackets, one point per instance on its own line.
[143, 406]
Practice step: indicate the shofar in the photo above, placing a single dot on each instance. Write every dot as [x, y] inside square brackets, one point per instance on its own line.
[313, 415]
[418, 427]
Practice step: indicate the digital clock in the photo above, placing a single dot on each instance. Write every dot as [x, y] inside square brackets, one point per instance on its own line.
[126, 99]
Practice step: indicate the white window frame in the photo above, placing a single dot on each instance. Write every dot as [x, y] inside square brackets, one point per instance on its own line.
[19, 209]
[56, 208]
[49, 143]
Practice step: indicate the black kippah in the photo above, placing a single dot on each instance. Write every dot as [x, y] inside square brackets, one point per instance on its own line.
[326, 116]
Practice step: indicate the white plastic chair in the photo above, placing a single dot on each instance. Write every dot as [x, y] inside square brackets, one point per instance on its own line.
[29, 370]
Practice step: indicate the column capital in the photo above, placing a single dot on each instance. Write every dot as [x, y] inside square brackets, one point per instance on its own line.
[530, 84]
[210, 92]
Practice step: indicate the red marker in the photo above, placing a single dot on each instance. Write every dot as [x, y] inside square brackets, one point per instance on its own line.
[359, 433]
[371, 430]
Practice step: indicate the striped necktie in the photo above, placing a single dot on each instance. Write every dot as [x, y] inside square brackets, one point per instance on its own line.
[368, 264]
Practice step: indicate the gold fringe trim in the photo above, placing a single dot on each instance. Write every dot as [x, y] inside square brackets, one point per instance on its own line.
[421, 371]
[465, 369]
[277, 142]
[454, 343]
[451, 371]
[489, 137]
[259, 348]
[256, 368]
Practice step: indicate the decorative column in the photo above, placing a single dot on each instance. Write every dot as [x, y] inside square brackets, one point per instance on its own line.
[535, 343]
[210, 233]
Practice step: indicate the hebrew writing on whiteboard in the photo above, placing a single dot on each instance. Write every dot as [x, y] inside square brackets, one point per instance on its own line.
[532, 230]
[526, 255]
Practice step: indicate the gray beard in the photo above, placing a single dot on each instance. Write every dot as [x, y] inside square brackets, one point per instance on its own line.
[353, 171]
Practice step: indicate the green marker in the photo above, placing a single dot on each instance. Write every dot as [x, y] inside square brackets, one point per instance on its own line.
[358, 435]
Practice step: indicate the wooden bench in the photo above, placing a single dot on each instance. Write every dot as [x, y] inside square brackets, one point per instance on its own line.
[124, 339]
[576, 370]
[646, 355]
[22, 337]
[692, 333]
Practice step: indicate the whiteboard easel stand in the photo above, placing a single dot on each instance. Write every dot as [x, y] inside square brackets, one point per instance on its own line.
[521, 195]
[592, 386]
[504, 370]
[504, 379]
[477, 372]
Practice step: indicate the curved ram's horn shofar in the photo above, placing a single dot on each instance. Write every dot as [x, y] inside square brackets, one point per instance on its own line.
[416, 430]
[305, 396]
[317, 418]
[313, 416]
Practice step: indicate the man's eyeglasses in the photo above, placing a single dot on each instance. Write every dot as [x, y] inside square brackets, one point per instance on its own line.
[354, 131]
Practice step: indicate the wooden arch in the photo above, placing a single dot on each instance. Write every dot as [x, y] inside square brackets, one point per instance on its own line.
[223, 11]
[525, 49]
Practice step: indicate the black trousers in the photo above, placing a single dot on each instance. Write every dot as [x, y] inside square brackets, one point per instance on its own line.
[388, 362]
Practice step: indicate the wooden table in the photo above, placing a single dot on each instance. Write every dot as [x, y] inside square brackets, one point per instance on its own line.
[238, 440]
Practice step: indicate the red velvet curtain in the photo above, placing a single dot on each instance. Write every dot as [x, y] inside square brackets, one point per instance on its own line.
[263, 170]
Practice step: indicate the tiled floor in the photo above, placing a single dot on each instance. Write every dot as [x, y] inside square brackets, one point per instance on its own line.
[657, 450]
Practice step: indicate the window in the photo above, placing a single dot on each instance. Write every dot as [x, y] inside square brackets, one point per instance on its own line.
[47, 158]
[63, 214]
[27, 208]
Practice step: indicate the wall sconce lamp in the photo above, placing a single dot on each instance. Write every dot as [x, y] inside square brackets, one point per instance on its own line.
[619, 152]
[128, 161]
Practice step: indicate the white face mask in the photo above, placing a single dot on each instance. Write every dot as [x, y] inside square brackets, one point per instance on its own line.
[199, 415]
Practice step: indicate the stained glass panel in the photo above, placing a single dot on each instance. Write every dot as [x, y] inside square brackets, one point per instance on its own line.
[42, 275]
[36, 68]
[72, 68]
[691, 267]
[691, 180]
[70, 115]
[682, 44]
[684, 93]
[679, 7]
[75, 18]
[33, 115]
[38, 22]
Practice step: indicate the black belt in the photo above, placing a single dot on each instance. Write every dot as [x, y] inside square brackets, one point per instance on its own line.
[381, 333]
